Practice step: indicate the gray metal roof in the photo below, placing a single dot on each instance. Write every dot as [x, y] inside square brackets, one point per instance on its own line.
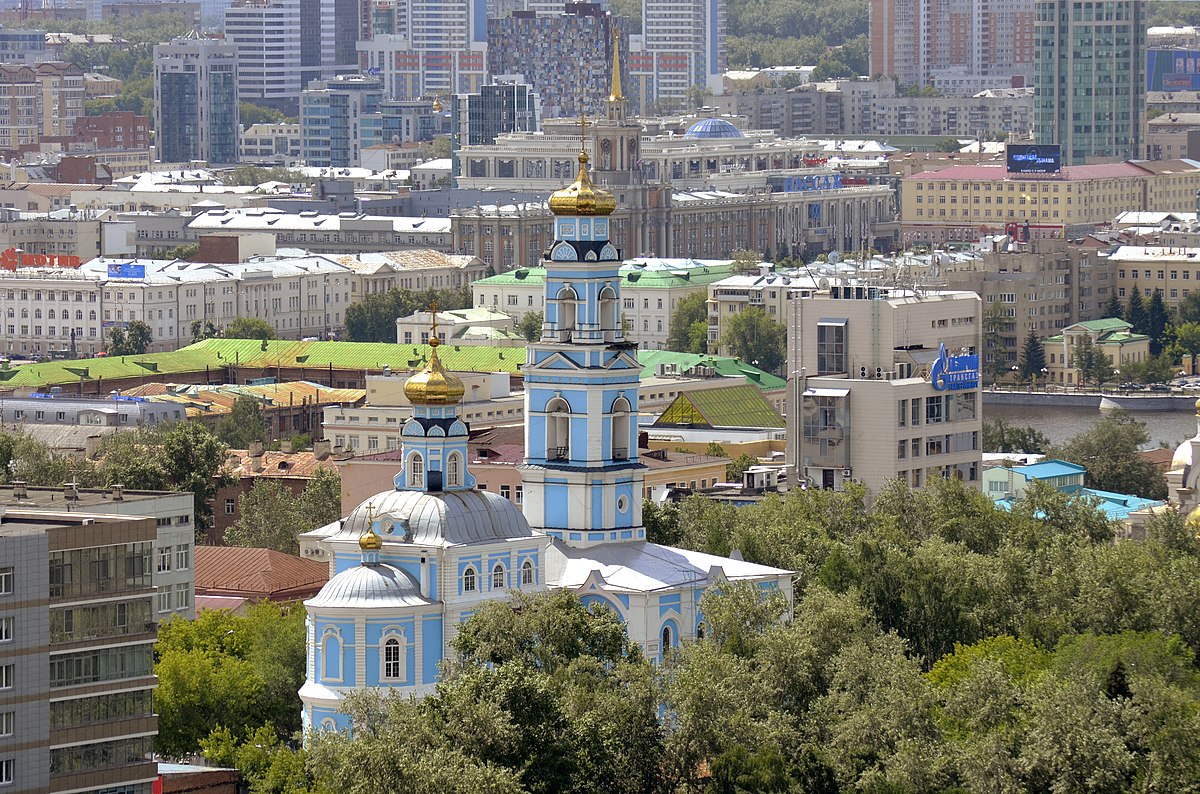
[372, 586]
[449, 518]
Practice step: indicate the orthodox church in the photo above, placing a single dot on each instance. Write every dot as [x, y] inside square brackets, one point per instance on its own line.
[1183, 476]
[410, 565]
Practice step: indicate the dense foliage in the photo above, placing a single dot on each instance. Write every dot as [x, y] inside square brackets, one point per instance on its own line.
[270, 515]
[755, 338]
[689, 325]
[373, 319]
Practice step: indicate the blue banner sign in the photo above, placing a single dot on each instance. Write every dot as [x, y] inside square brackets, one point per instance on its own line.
[126, 270]
[1045, 159]
[803, 184]
[953, 373]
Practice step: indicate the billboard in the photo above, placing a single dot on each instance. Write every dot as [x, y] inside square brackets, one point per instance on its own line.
[953, 373]
[1172, 70]
[13, 258]
[1046, 159]
[126, 270]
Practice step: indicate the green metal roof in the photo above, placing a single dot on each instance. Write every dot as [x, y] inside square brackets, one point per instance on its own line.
[722, 406]
[1107, 324]
[699, 274]
[367, 356]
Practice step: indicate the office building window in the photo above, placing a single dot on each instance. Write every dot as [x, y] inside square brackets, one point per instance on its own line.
[831, 346]
[6, 629]
[6, 580]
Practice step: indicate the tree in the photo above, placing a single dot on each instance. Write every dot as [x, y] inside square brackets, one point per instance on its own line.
[244, 424]
[225, 670]
[530, 325]
[1188, 309]
[249, 114]
[689, 324]
[1112, 308]
[745, 261]
[1157, 319]
[194, 461]
[374, 318]
[1109, 453]
[270, 515]
[1187, 339]
[736, 468]
[132, 340]
[248, 328]
[995, 323]
[756, 339]
[1135, 312]
[201, 331]
[999, 436]
[1033, 357]
[34, 463]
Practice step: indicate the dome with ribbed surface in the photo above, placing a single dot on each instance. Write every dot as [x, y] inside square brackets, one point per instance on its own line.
[445, 518]
[713, 128]
[369, 586]
[581, 197]
[434, 385]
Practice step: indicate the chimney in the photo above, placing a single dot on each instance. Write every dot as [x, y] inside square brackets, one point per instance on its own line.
[322, 449]
[71, 491]
[285, 445]
[256, 449]
[118, 492]
[19, 490]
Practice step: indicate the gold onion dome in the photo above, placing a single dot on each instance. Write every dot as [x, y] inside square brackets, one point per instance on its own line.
[581, 197]
[434, 385]
[437, 104]
[370, 541]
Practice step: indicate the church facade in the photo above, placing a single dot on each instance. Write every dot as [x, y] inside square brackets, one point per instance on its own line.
[410, 565]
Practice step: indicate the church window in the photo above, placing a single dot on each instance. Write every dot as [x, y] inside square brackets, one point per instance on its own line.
[700, 631]
[392, 659]
[416, 470]
[610, 320]
[566, 313]
[468, 580]
[453, 470]
[526, 573]
[666, 638]
[558, 430]
[331, 655]
[328, 724]
[498, 577]
[620, 429]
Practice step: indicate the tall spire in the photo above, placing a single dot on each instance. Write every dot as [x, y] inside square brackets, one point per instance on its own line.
[615, 94]
[434, 385]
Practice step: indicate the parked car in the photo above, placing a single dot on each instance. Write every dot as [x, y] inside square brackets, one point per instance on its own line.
[1160, 387]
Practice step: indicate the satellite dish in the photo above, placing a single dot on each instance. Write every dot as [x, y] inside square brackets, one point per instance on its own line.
[833, 258]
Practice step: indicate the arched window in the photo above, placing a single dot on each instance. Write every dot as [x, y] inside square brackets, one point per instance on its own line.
[700, 631]
[92, 315]
[468, 580]
[620, 429]
[454, 469]
[498, 577]
[526, 573]
[328, 724]
[610, 321]
[50, 315]
[37, 314]
[79, 314]
[416, 470]
[666, 638]
[558, 430]
[566, 313]
[392, 660]
[331, 656]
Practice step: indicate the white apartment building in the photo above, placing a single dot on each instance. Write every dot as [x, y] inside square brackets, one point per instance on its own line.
[267, 36]
[46, 309]
[312, 231]
[885, 385]
[85, 234]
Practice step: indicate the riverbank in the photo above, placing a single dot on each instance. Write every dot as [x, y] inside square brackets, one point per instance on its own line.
[1100, 401]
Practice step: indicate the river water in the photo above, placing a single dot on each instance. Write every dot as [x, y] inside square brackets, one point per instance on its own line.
[1060, 423]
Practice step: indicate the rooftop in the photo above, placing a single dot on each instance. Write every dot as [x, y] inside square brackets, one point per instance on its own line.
[722, 406]
[642, 272]
[274, 464]
[258, 573]
[87, 497]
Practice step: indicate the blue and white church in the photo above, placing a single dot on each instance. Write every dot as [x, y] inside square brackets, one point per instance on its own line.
[410, 565]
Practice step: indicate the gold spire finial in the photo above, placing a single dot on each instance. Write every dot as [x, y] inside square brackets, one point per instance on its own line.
[369, 540]
[434, 385]
[614, 93]
[437, 104]
[581, 197]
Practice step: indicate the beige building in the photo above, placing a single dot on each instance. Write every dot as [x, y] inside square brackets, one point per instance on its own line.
[416, 269]
[85, 234]
[1040, 290]
[767, 290]
[1111, 337]
[886, 386]
[270, 143]
[1173, 271]
[461, 327]
[960, 203]
[39, 100]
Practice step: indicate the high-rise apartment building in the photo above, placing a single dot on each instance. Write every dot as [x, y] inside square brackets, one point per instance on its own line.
[1091, 78]
[566, 58]
[439, 48]
[77, 625]
[959, 46]
[196, 100]
[479, 118]
[682, 49]
[267, 34]
[38, 100]
[22, 46]
[338, 118]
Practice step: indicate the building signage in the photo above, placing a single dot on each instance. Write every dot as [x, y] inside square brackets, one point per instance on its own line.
[12, 259]
[126, 270]
[803, 184]
[953, 373]
[1045, 159]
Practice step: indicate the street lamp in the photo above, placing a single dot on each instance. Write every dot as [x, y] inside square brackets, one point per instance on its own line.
[1015, 376]
[1045, 374]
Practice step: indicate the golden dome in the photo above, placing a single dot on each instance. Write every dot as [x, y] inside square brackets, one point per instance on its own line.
[1194, 516]
[370, 541]
[581, 197]
[434, 385]
[437, 104]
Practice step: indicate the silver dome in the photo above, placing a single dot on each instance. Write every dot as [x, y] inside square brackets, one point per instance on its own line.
[370, 587]
[447, 518]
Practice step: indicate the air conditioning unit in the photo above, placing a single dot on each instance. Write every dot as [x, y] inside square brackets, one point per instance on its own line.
[846, 473]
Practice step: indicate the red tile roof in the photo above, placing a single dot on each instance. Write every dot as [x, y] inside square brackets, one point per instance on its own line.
[277, 465]
[257, 574]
